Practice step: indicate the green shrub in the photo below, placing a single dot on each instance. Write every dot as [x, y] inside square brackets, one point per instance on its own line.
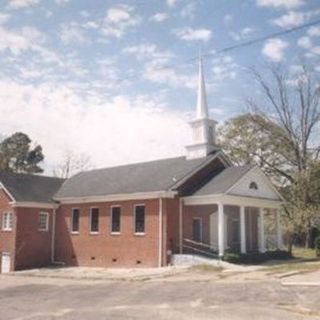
[255, 257]
[317, 245]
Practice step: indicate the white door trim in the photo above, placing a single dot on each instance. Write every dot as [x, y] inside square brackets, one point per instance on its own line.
[5, 268]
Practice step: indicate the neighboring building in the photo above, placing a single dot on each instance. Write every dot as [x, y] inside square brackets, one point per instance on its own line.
[138, 214]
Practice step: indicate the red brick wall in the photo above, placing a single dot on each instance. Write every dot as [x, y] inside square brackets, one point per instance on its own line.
[104, 249]
[7, 238]
[33, 247]
[172, 209]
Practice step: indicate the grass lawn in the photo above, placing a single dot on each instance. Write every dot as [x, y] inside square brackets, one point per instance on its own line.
[304, 260]
[304, 254]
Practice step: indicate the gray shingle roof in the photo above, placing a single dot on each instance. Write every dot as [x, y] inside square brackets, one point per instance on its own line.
[223, 181]
[30, 188]
[159, 175]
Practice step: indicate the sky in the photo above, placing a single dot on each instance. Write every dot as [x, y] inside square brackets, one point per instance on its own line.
[116, 80]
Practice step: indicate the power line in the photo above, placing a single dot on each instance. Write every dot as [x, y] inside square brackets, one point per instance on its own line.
[229, 48]
[264, 38]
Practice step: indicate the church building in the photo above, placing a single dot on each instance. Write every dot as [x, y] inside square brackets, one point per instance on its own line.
[138, 215]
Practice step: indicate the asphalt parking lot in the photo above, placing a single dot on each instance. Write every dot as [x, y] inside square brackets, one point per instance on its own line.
[189, 295]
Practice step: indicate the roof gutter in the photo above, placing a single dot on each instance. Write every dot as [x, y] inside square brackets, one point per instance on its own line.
[118, 197]
[30, 204]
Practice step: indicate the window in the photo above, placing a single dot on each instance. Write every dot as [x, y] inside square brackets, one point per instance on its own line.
[94, 220]
[75, 220]
[253, 185]
[139, 223]
[7, 221]
[115, 219]
[43, 221]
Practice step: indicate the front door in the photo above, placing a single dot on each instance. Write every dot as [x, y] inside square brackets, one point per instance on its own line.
[5, 263]
[197, 229]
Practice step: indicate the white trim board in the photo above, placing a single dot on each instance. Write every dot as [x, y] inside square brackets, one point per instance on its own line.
[119, 197]
[226, 199]
[38, 205]
[6, 191]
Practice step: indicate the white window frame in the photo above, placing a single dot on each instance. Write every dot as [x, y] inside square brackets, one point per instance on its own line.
[90, 221]
[47, 221]
[71, 222]
[201, 227]
[111, 218]
[7, 223]
[134, 219]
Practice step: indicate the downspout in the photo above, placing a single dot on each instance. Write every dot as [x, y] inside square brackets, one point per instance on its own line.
[53, 235]
[180, 226]
[160, 232]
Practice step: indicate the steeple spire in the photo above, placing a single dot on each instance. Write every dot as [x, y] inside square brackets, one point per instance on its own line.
[202, 107]
[203, 128]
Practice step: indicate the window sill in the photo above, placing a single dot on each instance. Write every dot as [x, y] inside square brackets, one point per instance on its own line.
[139, 234]
[115, 233]
[74, 232]
[6, 230]
[94, 233]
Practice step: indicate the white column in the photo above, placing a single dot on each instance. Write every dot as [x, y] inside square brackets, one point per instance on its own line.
[243, 245]
[221, 229]
[262, 241]
[278, 229]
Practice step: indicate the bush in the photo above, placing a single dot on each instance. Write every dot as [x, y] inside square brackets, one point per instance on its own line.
[256, 257]
[317, 246]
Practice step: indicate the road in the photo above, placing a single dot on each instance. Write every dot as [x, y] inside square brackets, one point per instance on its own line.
[192, 296]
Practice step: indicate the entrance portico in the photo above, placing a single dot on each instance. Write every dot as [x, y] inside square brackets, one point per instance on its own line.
[234, 222]
[234, 208]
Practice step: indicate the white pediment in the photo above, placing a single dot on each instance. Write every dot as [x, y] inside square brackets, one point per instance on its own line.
[255, 184]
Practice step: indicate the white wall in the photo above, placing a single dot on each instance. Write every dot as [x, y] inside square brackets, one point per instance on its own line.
[265, 190]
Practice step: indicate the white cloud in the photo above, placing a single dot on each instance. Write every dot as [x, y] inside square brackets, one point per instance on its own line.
[118, 130]
[72, 33]
[159, 17]
[304, 42]
[288, 4]
[189, 34]
[314, 31]
[274, 49]
[28, 38]
[149, 51]
[242, 34]
[172, 3]
[228, 19]
[223, 68]
[188, 11]
[18, 4]
[61, 2]
[290, 19]
[4, 18]
[119, 19]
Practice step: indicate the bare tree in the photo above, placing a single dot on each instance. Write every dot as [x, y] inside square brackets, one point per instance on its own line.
[293, 104]
[72, 163]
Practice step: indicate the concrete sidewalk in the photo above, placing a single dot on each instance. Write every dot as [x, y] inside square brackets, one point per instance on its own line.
[308, 279]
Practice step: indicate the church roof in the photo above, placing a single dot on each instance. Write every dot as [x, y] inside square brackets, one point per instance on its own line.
[223, 181]
[29, 187]
[159, 175]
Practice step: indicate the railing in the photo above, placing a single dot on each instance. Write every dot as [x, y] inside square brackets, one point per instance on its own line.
[200, 248]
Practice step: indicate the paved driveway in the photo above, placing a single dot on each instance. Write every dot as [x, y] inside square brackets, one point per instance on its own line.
[194, 295]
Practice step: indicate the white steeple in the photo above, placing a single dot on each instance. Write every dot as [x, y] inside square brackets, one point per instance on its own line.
[202, 107]
[203, 128]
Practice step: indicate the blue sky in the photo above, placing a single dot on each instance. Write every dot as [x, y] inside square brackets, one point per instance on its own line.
[116, 80]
